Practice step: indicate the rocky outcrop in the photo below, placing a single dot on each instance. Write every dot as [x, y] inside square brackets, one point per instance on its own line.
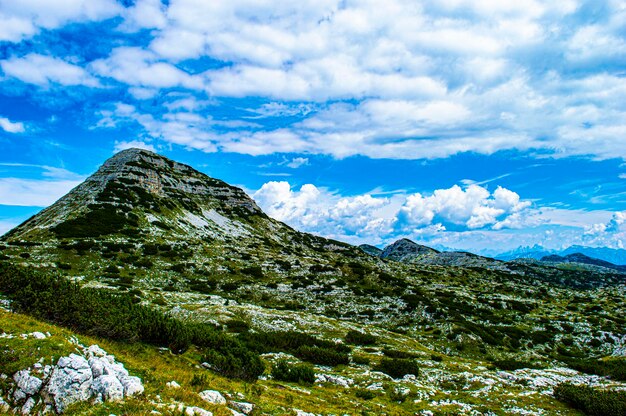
[94, 376]
[212, 396]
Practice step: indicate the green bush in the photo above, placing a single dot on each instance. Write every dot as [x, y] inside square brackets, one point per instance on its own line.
[398, 367]
[115, 316]
[360, 338]
[322, 356]
[364, 394]
[298, 373]
[303, 346]
[592, 401]
[614, 367]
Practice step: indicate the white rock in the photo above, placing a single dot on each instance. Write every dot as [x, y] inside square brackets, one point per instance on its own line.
[193, 411]
[95, 351]
[212, 396]
[132, 385]
[107, 388]
[28, 406]
[38, 335]
[69, 383]
[172, 385]
[245, 408]
[27, 385]
[303, 413]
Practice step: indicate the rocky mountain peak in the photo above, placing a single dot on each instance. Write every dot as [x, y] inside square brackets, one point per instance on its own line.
[404, 248]
[136, 190]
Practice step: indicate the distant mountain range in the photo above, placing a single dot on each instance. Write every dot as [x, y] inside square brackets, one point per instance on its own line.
[611, 255]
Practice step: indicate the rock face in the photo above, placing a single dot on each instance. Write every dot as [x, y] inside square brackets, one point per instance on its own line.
[95, 376]
[137, 178]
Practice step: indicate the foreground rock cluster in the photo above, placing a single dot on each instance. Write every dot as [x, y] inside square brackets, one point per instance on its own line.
[93, 376]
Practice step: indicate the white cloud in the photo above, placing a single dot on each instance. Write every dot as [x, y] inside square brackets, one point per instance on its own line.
[46, 70]
[11, 126]
[297, 162]
[473, 207]
[24, 18]
[364, 218]
[137, 67]
[31, 192]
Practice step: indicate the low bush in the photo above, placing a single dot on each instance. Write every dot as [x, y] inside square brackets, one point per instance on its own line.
[116, 316]
[614, 367]
[360, 338]
[592, 401]
[295, 373]
[398, 367]
[364, 394]
[303, 346]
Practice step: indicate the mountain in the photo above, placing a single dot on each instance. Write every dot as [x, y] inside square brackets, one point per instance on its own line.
[149, 243]
[137, 192]
[582, 259]
[405, 249]
[534, 252]
[611, 255]
[371, 250]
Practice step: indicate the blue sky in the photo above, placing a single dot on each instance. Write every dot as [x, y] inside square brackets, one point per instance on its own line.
[477, 125]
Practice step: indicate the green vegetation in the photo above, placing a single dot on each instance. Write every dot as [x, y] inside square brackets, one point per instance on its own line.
[101, 313]
[592, 401]
[398, 367]
[360, 338]
[303, 346]
[295, 373]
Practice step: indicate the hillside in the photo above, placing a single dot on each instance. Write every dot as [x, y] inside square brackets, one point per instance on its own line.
[488, 335]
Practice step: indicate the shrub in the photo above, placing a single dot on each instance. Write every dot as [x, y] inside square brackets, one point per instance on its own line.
[391, 353]
[614, 367]
[298, 373]
[360, 359]
[116, 316]
[254, 271]
[303, 346]
[322, 356]
[592, 401]
[398, 367]
[364, 394]
[360, 338]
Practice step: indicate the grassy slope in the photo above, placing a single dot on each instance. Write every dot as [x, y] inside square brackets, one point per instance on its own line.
[157, 367]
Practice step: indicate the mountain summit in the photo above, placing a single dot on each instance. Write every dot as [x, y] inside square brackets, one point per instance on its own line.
[137, 192]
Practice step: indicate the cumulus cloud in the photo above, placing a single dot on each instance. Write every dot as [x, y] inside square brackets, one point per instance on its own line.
[47, 70]
[472, 208]
[11, 126]
[371, 218]
[408, 80]
[137, 67]
[25, 18]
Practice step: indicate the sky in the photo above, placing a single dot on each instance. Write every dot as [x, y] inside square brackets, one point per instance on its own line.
[480, 125]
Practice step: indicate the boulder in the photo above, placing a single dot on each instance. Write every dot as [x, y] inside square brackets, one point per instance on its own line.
[107, 388]
[245, 408]
[212, 396]
[69, 383]
[26, 385]
[132, 385]
[197, 411]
